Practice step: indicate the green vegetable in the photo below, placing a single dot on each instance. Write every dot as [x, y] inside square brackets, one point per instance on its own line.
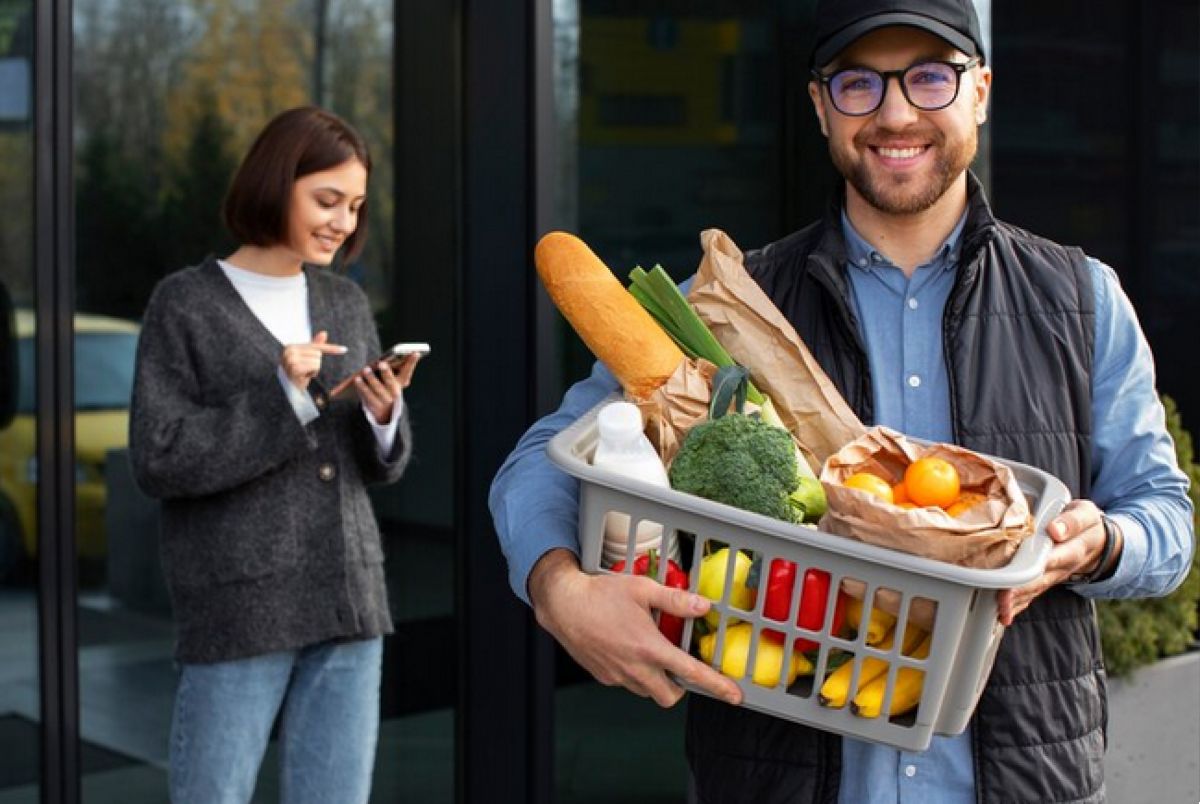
[661, 298]
[809, 498]
[741, 461]
[744, 461]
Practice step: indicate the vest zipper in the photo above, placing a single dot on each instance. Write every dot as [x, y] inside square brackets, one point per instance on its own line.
[866, 401]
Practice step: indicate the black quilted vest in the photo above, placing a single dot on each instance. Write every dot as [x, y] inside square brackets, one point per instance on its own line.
[1018, 334]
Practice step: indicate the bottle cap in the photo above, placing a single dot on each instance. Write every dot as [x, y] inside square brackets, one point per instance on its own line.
[619, 421]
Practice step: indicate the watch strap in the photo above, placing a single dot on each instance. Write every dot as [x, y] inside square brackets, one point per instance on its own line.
[1101, 570]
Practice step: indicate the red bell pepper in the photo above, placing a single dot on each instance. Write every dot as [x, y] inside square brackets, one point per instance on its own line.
[647, 564]
[814, 596]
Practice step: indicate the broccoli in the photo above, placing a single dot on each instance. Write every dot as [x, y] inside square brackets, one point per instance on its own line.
[745, 462]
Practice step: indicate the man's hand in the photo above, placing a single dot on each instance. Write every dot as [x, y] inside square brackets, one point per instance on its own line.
[1078, 536]
[606, 624]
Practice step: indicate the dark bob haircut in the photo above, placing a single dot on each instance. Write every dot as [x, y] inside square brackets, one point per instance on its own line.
[294, 144]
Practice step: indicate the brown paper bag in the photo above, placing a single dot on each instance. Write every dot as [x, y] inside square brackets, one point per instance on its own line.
[758, 336]
[985, 536]
[676, 406]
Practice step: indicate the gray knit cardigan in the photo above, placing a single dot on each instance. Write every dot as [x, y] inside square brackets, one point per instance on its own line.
[268, 541]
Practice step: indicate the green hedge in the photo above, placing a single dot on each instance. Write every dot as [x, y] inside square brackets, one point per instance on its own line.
[1138, 632]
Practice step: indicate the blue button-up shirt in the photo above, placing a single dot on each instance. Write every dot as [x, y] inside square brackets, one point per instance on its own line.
[1135, 477]
[901, 322]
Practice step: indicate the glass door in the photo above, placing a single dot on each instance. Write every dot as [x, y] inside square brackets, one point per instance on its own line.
[20, 713]
[167, 97]
[671, 118]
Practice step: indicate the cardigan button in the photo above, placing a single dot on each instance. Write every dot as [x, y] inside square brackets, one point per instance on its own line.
[326, 472]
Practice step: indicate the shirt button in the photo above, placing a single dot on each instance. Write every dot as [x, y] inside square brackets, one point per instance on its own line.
[862, 262]
[320, 401]
[910, 771]
[326, 472]
[913, 304]
[914, 381]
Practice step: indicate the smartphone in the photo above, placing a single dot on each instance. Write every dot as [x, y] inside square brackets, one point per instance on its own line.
[404, 349]
[394, 356]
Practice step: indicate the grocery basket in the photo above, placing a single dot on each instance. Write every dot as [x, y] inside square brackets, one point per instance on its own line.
[956, 604]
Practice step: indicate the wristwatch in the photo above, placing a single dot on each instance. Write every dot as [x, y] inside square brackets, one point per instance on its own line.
[1102, 569]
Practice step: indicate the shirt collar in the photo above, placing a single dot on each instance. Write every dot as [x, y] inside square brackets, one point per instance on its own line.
[862, 254]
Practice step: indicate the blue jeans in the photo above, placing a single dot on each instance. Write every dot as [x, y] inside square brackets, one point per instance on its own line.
[329, 695]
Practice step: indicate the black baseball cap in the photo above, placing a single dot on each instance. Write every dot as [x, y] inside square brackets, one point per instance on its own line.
[841, 22]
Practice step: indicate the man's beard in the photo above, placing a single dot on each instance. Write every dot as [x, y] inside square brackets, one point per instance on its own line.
[911, 193]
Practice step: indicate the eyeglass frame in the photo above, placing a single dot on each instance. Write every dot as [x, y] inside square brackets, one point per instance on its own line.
[958, 67]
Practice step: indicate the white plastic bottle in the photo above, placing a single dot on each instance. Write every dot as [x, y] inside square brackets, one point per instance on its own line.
[624, 448]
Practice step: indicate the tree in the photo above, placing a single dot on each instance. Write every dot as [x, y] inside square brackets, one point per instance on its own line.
[114, 231]
[196, 187]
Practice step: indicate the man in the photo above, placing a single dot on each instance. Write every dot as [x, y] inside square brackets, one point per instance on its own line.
[936, 319]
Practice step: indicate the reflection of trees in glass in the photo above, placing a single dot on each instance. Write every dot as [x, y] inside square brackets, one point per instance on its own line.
[250, 59]
[172, 91]
[117, 251]
[191, 209]
[16, 164]
[16, 214]
[358, 85]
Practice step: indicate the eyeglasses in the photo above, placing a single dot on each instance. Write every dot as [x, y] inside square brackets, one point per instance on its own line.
[929, 86]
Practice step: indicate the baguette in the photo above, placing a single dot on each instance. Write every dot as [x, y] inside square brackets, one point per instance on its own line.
[611, 322]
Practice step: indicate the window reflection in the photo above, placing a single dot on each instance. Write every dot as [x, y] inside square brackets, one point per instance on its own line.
[19, 705]
[671, 117]
[167, 94]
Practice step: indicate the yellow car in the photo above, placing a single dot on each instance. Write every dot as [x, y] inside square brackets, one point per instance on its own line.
[105, 351]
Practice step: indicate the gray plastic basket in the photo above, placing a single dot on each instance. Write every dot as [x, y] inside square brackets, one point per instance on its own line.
[965, 633]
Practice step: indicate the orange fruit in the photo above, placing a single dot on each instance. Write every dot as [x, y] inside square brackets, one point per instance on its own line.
[900, 493]
[871, 484]
[966, 499]
[931, 481]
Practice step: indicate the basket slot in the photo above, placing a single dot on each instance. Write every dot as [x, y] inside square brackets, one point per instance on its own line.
[719, 572]
[629, 535]
[800, 599]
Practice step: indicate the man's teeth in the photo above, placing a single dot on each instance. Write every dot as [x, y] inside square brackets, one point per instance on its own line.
[900, 153]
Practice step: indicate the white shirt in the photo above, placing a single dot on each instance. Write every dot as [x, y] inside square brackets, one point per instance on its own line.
[281, 304]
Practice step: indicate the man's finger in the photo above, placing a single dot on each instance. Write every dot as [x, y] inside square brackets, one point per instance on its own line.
[683, 603]
[665, 692]
[679, 602]
[1073, 520]
[698, 674]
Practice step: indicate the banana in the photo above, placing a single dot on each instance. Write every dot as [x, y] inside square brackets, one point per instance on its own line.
[768, 660]
[878, 624]
[905, 696]
[836, 688]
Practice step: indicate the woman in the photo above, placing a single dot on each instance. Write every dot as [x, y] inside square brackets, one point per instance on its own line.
[269, 544]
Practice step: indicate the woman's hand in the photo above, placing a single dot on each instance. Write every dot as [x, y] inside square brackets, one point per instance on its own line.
[302, 361]
[379, 386]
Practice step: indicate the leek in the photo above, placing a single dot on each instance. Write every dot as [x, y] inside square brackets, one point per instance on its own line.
[661, 298]
[658, 294]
